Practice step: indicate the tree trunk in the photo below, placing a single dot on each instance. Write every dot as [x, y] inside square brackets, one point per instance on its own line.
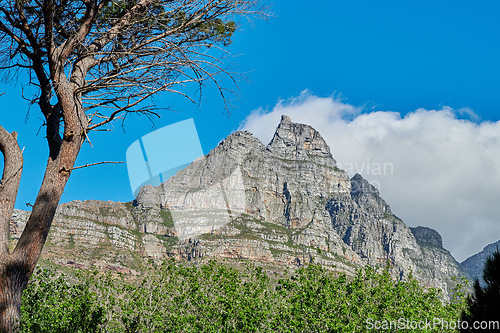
[16, 267]
[15, 273]
[13, 281]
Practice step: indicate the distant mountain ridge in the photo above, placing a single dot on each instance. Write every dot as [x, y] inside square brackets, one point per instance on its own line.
[284, 204]
[474, 264]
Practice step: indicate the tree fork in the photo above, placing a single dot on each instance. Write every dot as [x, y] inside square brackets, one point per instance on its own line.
[17, 267]
[37, 228]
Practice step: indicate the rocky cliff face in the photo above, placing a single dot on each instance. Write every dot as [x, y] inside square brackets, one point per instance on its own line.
[283, 205]
[474, 265]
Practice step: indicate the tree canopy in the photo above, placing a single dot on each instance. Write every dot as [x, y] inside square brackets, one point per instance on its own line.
[117, 54]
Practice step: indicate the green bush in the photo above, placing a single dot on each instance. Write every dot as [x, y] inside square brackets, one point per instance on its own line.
[51, 303]
[315, 300]
[216, 297]
[176, 298]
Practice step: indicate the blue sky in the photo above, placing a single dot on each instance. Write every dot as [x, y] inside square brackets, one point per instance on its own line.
[372, 55]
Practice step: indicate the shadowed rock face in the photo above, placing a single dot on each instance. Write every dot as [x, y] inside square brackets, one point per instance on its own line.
[282, 205]
[474, 265]
[428, 236]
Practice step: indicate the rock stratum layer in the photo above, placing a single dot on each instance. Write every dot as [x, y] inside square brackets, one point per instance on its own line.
[281, 205]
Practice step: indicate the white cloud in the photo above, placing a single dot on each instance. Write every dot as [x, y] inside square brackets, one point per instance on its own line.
[433, 169]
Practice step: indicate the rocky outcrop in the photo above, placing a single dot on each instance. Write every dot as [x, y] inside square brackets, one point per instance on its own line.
[284, 204]
[427, 235]
[474, 265]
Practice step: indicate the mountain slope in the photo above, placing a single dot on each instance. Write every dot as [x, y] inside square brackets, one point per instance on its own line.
[282, 205]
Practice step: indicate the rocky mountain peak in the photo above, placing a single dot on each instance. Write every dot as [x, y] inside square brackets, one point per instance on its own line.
[427, 235]
[360, 186]
[298, 141]
[239, 136]
[236, 145]
[148, 197]
[365, 194]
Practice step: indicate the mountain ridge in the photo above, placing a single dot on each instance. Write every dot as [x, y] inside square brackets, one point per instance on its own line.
[474, 264]
[283, 204]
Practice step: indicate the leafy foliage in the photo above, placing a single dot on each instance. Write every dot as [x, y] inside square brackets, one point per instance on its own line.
[51, 303]
[216, 297]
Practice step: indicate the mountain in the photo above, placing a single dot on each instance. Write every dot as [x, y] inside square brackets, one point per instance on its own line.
[281, 205]
[474, 264]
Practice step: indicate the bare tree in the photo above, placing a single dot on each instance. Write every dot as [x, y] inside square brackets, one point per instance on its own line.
[95, 61]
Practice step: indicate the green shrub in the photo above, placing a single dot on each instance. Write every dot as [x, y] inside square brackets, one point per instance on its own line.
[51, 303]
[216, 297]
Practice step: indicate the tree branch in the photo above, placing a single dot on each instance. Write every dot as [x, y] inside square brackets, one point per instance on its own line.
[124, 21]
[96, 163]
[48, 12]
[125, 108]
[71, 43]
[13, 166]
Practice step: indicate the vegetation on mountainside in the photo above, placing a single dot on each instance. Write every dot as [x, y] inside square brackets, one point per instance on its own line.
[216, 297]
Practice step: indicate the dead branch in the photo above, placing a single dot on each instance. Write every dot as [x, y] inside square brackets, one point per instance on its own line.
[92, 164]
